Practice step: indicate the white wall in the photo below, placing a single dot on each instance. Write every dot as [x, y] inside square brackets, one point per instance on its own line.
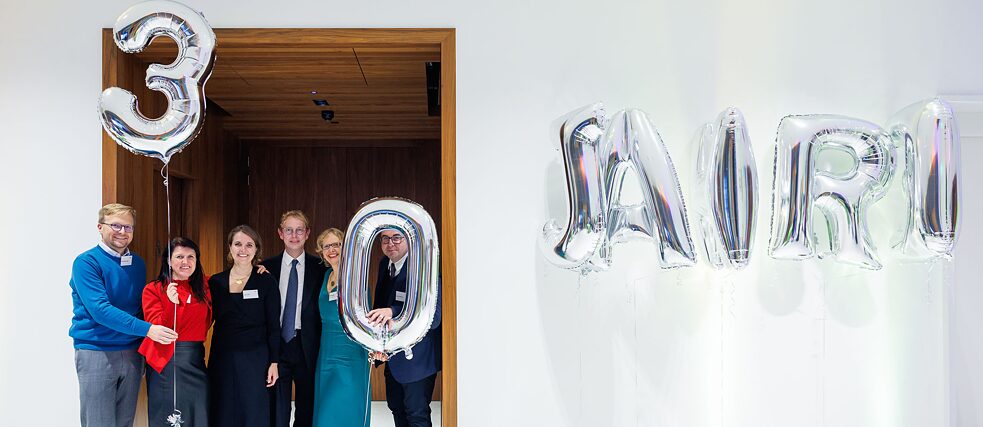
[781, 344]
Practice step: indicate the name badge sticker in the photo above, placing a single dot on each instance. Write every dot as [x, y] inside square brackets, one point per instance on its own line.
[333, 296]
[400, 296]
[126, 260]
[250, 294]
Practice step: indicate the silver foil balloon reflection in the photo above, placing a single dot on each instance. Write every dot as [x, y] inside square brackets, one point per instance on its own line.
[842, 198]
[930, 136]
[422, 280]
[726, 190]
[579, 134]
[631, 142]
[182, 82]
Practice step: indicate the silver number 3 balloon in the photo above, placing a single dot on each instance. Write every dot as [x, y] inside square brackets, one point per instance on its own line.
[182, 81]
[422, 275]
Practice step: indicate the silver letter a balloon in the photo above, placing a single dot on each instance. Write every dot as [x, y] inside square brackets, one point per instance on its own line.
[843, 198]
[930, 136]
[422, 280]
[182, 82]
[631, 142]
[726, 195]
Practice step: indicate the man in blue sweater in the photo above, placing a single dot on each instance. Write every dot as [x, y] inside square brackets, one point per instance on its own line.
[107, 283]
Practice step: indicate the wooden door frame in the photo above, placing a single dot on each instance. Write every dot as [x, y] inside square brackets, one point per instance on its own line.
[364, 37]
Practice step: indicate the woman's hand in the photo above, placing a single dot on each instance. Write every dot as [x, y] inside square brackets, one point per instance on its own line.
[172, 293]
[379, 356]
[261, 269]
[381, 316]
[272, 375]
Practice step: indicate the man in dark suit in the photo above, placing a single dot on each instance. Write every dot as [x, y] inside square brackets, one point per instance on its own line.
[409, 382]
[299, 275]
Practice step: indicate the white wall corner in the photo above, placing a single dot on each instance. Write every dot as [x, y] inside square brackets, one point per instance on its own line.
[969, 113]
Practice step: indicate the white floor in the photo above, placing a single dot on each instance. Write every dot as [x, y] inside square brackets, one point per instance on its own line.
[381, 417]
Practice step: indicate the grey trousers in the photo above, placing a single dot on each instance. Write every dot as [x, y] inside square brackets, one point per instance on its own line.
[109, 382]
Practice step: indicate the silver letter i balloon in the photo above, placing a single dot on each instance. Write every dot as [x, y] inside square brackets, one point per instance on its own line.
[801, 185]
[422, 279]
[726, 190]
[928, 132]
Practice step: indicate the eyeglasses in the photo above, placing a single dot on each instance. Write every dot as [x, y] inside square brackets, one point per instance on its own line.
[335, 245]
[293, 231]
[119, 227]
[397, 239]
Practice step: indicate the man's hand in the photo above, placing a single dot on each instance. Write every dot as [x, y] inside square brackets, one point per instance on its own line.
[161, 334]
[381, 316]
[172, 293]
[272, 374]
[262, 269]
[378, 355]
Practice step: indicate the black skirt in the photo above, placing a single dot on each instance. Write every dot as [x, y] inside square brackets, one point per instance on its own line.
[239, 395]
[192, 388]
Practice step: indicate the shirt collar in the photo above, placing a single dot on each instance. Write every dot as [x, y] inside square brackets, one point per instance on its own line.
[110, 250]
[287, 259]
[399, 263]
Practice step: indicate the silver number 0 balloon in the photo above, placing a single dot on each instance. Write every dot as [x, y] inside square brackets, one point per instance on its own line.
[182, 81]
[422, 280]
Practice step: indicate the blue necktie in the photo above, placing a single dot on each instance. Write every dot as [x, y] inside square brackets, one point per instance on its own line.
[289, 329]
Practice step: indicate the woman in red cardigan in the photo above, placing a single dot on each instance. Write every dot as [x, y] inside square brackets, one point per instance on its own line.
[181, 283]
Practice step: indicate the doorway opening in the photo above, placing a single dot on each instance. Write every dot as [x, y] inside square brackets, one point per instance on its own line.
[319, 120]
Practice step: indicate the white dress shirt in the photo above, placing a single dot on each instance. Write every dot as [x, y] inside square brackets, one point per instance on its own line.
[285, 279]
[111, 251]
[399, 263]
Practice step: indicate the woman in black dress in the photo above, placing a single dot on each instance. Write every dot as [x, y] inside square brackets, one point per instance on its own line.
[246, 338]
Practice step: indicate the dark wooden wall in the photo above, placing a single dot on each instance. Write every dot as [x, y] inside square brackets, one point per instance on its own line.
[329, 183]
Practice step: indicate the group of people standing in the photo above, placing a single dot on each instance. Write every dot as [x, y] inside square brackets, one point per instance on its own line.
[276, 330]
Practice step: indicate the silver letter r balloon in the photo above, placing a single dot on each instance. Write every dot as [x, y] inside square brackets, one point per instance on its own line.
[800, 185]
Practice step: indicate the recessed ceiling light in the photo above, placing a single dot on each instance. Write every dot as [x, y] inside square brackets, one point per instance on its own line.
[313, 92]
[321, 102]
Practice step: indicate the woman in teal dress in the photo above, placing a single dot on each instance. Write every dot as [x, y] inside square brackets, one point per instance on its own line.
[341, 383]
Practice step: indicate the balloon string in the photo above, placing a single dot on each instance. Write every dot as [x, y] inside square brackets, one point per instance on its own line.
[368, 395]
[165, 173]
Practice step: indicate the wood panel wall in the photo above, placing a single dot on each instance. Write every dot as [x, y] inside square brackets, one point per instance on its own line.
[329, 183]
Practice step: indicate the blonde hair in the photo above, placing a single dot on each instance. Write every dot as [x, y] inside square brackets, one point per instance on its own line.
[114, 209]
[295, 214]
[324, 236]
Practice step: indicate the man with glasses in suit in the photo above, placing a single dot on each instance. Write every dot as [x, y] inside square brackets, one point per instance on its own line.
[409, 382]
[300, 275]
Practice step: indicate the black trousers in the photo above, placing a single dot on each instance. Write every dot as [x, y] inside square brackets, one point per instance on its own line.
[294, 370]
[410, 403]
